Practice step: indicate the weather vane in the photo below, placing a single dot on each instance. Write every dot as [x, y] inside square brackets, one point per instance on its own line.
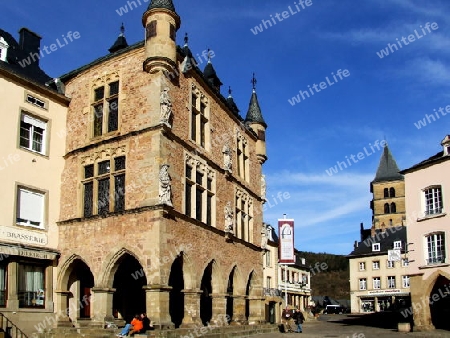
[254, 81]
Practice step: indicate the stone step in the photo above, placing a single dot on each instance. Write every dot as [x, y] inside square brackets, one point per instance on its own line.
[238, 331]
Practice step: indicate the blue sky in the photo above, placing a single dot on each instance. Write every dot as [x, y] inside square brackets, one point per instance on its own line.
[381, 98]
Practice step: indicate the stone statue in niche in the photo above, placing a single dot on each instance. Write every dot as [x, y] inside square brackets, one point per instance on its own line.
[229, 218]
[227, 160]
[166, 107]
[263, 188]
[165, 189]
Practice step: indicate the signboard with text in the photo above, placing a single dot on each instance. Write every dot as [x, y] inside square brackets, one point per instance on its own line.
[286, 241]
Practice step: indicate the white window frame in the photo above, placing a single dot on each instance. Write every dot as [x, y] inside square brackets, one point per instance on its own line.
[397, 244]
[27, 215]
[269, 282]
[433, 200]
[362, 266]
[405, 281]
[376, 247]
[34, 123]
[433, 254]
[376, 265]
[363, 283]
[391, 282]
[268, 259]
[35, 101]
[405, 262]
[376, 282]
[3, 49]
[390, 264]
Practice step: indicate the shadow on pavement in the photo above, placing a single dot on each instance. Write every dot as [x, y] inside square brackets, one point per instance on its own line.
[382, 320]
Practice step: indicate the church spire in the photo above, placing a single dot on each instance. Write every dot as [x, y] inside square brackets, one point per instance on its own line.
[387, 168]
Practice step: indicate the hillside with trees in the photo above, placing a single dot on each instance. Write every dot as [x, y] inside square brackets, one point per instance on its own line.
[333, 281]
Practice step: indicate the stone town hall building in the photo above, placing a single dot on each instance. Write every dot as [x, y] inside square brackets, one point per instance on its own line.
[162, 189]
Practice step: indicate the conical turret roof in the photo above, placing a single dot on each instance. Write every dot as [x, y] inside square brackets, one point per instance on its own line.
[254, 114]
[167, 4]
[387, 168]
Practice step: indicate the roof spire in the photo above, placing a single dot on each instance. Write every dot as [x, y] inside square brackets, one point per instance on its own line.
[387, 168]
[231, 103]
[254, 114]
[254, 83]
[211, 75]
[121, 42]
[186, 39]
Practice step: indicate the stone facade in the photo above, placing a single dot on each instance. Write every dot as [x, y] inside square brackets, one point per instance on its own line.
[123, 251]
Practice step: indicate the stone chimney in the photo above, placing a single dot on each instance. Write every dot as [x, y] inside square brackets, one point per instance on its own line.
[30, 43]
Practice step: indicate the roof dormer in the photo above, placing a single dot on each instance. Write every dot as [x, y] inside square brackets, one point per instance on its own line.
[3, 49]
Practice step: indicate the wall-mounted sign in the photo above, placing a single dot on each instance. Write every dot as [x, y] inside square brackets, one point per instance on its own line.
[25, 236]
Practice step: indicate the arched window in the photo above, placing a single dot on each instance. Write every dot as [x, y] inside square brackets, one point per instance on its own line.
[392, 192]
[386, 208]
[386, 192]
[393, 208]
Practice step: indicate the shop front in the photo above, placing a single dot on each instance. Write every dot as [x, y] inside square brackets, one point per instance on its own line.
[383, 300]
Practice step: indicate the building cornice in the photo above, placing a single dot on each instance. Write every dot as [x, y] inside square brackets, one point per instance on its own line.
[34, 86]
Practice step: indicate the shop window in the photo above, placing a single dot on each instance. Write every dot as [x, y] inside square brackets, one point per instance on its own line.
[31, 286]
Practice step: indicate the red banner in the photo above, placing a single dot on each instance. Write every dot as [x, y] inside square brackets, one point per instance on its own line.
[286, 241]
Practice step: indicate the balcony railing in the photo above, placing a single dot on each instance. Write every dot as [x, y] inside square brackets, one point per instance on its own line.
[437, 259]
[293, 286]
[435, 211]
[272, 292]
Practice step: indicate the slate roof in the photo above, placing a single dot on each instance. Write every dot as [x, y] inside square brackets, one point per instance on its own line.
[211, 75]
[435, 159]
[16, 54]
[254, 114]
[387, 168]
[167, 4]
[386, 240]
[120, 43]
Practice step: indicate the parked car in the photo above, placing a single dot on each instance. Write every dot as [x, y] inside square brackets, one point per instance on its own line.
[333, 309]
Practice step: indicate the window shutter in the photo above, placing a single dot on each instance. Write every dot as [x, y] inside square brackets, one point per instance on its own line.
[31, 207]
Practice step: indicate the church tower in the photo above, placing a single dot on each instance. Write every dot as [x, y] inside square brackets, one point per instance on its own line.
[161, 23]
[388, 189]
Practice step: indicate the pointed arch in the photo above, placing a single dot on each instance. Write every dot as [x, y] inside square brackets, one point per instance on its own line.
[66, 269]
[111, 264]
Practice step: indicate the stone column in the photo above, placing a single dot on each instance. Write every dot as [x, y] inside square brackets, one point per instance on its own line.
[219, 309]
[420, 305]
[191, 308]
[62, 303]
[157, 303]
[376, 307]
[238, 310]
[256, 315]
[102, 304]
[49, 305]
[13, 294]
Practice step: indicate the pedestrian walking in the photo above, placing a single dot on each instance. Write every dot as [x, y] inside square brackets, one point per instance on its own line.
[299, 319]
